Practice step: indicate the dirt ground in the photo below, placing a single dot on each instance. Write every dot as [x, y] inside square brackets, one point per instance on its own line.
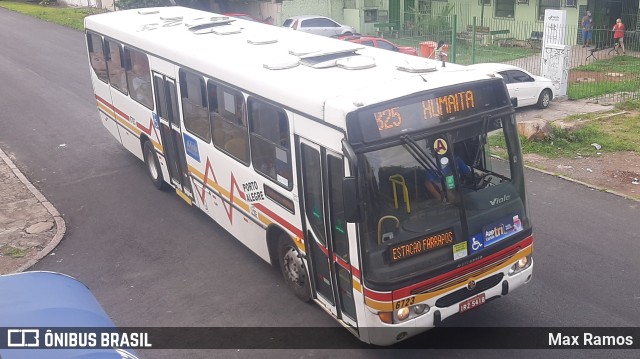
[617, 171]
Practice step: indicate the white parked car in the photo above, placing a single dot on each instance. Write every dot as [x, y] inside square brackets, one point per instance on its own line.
[529, 89]
[318, 25]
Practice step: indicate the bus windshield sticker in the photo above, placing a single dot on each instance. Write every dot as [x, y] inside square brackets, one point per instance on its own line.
[440, 146]
[459, 250]
[420, 246]
[501, 229]
[191, 147]
[476, 243]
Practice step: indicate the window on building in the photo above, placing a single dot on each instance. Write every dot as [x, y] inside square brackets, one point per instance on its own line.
[505, 8]
[96, 56]
[194, 104]
[270, 142]
[547, 4]
[227, 111]
[138, 76]
[115, 64]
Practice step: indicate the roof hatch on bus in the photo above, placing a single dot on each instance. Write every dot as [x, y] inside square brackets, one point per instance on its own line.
[216, 24]
[320, 60]
[419, 66]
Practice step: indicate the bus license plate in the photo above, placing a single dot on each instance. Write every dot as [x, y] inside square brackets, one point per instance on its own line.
[472, 302]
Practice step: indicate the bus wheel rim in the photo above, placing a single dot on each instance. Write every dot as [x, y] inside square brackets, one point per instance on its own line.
[152, 166]
[294, 267]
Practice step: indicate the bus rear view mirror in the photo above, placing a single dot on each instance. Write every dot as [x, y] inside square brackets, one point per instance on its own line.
[350, 199]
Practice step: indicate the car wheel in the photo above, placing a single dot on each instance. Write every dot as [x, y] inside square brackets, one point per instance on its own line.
[545, 98]
[348, 33]
[293, 269]
[153, 166]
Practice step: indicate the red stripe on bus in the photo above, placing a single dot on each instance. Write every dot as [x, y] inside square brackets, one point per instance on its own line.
[117, 110]
[280, 220]
[381, 297]
[406, 291]
[145, 129]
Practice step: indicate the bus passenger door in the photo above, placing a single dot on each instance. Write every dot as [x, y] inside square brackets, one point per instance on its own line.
[169, 118]
[326, 237]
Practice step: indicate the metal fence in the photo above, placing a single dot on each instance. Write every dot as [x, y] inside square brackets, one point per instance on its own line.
[599, 72]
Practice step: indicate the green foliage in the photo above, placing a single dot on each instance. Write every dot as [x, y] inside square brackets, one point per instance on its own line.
[587, 90]
[617, 133]
[136, 4]
[69, 17]
[622, 64]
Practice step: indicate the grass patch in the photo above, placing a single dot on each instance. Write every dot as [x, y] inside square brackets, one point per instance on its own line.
[65, 16]
[632, 105]
[587, 90]
[622, 64]
[614, 134]
[14, 252]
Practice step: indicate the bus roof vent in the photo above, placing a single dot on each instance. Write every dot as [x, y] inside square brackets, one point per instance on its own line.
[199, 25]
[282, 62]
[259, 39]
[321, 60]
[148, 11]
[304, 50]
[419, 66]
[356, 62]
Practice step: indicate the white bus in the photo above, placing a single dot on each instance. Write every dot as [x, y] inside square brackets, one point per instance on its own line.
[364, 174]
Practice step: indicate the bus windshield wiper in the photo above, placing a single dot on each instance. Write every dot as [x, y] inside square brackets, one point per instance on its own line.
[420, 155]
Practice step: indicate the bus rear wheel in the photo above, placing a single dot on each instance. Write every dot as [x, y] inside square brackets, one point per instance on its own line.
[153, 166]
[293, 269]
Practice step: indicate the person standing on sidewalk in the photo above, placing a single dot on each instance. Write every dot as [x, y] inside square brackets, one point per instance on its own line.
[618, 34]
[587, 27]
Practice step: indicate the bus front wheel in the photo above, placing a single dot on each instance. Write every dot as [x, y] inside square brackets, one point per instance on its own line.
[293, 269]
[153, 166]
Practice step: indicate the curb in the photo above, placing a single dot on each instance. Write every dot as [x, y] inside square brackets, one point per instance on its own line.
[60, 224]
[588, 185]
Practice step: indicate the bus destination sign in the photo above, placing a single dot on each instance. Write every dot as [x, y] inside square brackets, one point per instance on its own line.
[426, 110]
[438, 107]
[419, 246]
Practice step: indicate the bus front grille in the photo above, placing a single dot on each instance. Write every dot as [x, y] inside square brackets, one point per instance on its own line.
[464, 293]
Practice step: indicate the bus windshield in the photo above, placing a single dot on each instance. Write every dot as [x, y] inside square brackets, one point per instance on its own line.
[440, 198]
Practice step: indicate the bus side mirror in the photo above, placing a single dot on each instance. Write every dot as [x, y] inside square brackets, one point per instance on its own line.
[514, 101]
[350, 200]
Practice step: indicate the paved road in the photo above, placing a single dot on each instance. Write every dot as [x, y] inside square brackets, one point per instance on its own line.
[129, 242]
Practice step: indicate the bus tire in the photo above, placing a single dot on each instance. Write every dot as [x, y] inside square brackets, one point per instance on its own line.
[153, 166]
[293, 269]
[544, 99]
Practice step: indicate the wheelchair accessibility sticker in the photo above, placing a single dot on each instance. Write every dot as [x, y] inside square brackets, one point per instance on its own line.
[476, 243]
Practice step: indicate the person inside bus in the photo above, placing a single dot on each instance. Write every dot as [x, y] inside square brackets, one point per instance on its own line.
[434, 179]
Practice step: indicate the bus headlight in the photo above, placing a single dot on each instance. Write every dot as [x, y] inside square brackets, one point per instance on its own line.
[520, 265]
[403, 314]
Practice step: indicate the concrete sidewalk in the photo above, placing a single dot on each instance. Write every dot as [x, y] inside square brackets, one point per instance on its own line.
[30, 227]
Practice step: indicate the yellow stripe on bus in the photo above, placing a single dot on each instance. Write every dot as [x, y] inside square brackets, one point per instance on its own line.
[183, 196]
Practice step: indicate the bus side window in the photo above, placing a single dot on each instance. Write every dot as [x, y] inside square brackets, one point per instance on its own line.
[270, 141]
[194, 111]
[228, 120]
[96, 56]
[139, 77]
[115, 64]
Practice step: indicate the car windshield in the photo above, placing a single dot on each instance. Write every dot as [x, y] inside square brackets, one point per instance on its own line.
[438, 199]
[287, 23]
